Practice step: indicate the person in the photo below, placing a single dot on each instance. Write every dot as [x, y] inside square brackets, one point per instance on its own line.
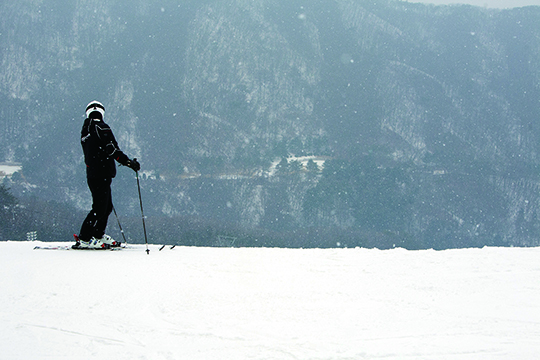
[100, 152]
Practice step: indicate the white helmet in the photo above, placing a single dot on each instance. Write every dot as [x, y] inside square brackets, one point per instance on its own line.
[95, 106]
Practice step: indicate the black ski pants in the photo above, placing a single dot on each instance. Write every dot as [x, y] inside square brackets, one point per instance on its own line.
[96, 221]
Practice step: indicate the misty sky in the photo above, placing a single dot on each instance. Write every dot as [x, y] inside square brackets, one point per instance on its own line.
[487, 3]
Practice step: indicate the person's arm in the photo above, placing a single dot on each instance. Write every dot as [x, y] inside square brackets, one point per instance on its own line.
[110, 146]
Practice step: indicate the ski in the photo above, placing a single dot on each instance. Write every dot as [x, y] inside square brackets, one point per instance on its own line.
[122, 247]
[57, 247]
[70, 247]
[61, 246]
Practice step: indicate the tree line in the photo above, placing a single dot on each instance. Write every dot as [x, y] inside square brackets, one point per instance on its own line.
[52, 221]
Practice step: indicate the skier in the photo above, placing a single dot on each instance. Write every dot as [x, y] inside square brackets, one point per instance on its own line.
[100, 151]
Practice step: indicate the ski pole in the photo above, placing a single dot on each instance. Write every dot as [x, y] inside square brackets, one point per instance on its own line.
[120, 226]
[142, 214]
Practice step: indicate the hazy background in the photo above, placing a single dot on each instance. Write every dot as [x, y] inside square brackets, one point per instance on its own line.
[501, 4]
[313, 123]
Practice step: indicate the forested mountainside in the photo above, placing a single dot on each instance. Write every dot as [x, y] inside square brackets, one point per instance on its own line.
[288, 123]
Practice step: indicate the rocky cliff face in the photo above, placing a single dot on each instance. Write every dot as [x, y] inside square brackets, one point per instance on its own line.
[421, 122]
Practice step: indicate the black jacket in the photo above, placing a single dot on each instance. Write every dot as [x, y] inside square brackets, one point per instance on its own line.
[100, 149]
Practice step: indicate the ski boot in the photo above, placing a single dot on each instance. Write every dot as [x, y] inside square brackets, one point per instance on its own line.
[93, 244]
[108, 240]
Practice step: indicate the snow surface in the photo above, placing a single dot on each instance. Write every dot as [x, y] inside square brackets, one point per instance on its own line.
[260, 303]
[8, 170]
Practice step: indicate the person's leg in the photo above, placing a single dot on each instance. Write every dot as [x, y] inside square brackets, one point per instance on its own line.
[96, 221]
[106, 209]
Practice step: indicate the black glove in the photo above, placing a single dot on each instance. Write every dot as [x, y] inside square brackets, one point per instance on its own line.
[134, 164]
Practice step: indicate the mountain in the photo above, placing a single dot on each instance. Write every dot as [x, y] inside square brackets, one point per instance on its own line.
[420, 121]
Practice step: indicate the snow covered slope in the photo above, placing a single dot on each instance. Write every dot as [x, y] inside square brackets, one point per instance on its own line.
[256, 303]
